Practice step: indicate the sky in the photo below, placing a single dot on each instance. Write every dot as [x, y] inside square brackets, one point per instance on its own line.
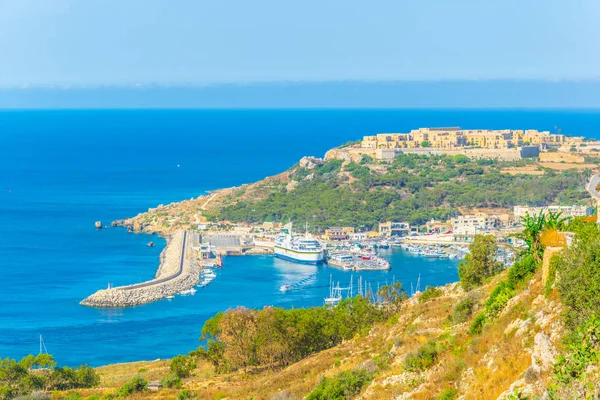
[87, 43]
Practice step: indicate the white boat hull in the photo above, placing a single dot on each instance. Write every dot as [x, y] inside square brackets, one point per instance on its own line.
[305, 257]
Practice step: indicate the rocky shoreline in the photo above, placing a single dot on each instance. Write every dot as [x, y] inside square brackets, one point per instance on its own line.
[177, 272]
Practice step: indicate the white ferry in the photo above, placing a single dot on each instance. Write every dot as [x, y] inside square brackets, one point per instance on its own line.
[301, 249]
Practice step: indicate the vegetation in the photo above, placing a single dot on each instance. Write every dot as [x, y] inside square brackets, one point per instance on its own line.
[413, 188]
[429, 293]
[579, 269]
[272, 337]
[423, 358]
[35, 373]
[135, 385]
[344, 385]
[480, 263]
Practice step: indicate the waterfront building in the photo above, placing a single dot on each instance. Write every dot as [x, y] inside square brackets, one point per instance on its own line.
[567, 211]
[335, 233]
[390, 228]
[359, 236]
[471, 224]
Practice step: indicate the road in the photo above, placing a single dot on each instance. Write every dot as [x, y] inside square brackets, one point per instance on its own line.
[592, 185]
[167, 278]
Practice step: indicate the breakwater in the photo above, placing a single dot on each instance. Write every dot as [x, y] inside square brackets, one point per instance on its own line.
[177, 272]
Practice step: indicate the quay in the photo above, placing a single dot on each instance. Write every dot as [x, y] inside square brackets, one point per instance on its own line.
[177, 272]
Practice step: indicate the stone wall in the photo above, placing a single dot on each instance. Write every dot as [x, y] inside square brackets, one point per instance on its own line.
[561, 157]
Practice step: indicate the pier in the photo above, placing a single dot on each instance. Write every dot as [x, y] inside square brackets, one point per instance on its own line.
[177, 272]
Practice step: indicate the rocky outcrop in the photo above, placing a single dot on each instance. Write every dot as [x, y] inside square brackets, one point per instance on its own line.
[338, 154]
[309, 162]
[291, 185]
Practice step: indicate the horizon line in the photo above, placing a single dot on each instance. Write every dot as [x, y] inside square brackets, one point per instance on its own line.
[200, 85]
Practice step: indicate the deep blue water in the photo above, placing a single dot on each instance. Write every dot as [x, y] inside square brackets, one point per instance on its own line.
[62, 170]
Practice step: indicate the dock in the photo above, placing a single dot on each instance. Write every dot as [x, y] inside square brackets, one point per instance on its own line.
[177, 272]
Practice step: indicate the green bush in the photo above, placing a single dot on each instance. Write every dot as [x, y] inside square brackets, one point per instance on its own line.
[182, 366]
[184, 395]
[423, 358]
[579, 272]
[464, 308]
[135, 385]
[429, 293]
[477, 325]
[448, 394]
[521, 270]
[344, 385]
[171, 381]
[498, 299]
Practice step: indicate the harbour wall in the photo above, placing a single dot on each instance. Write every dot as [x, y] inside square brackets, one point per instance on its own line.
[177, 272]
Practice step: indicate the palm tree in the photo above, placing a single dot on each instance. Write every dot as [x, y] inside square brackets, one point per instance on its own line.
[531, 235]
[555, 221]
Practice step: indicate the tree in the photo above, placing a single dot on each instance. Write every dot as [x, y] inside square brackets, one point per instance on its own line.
[238, 332]
[578, 267]
[425, 143]
[480, 263]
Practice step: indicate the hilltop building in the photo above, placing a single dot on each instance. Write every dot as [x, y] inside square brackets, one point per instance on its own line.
[456, 138]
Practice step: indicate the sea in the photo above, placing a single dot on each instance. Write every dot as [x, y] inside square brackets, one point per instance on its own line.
[62, 170]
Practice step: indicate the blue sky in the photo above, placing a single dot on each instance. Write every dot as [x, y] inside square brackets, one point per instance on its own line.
[197, 42]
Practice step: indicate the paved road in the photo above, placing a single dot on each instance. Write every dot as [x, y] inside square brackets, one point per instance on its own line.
[592, 185]
[167, 278]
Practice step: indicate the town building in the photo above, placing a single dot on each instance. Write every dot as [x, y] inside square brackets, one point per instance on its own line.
[567, 211]
[456, 138]
[338, 233]
[469, 225]
[390, 228]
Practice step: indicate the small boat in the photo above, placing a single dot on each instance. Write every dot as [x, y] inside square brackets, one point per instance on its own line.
[384, 245]
[150, 244]
[170, 297]
[209, 273]
[188, 292]
[285, 288]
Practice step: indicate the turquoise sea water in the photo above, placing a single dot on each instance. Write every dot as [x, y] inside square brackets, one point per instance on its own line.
[62, 170]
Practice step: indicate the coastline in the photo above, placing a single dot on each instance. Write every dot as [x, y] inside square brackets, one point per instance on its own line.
[176, 272]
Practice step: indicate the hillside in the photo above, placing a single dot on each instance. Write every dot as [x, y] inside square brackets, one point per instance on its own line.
[524, 337]
[529, 331]
[344, 189]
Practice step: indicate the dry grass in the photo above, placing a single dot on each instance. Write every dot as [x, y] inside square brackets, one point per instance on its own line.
[482, 364]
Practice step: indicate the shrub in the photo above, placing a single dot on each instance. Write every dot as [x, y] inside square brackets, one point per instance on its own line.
[423, 358]
[171, 381]
[135, 385]
[429, 293]
[477, 325]
[521, 270]
[448, 394]
[498, 299]
[464, 309]
[182, 366]
[184, 395]
[344, 385]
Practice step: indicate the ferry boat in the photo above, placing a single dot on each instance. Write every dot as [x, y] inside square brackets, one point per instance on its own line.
[301, 249]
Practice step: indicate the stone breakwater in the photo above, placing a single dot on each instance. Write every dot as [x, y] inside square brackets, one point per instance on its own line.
[177, 272]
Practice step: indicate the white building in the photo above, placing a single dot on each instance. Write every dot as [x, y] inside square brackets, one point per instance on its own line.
[567, 211]
[469, 224]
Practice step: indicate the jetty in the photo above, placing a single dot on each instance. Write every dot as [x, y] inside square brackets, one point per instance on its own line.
[177, 272]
